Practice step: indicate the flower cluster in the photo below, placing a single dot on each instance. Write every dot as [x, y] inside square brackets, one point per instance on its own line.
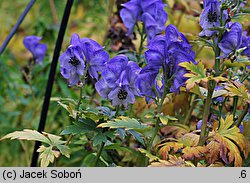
[81, 54]
[151, 13]
[118, 81]
[165, 52]
[37, 49]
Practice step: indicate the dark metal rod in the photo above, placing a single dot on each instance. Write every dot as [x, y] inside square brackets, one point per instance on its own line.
[14, 29]
[51, 78]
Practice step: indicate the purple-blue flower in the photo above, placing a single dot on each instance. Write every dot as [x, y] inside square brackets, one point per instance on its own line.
[151, 13]
[245, 44]
[72, 64]
[95, 56]
[82, 54]
[38, 50]
[118, 81]
[165, 52]
[210, 17]
[231, 40]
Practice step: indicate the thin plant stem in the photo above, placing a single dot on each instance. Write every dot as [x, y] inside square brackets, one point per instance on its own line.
[98, 155]
[203, 135]
[143, 37]
[159, 110]
[27, 158]
[190, 110]
[242, 115]
[79, 101]
[53, 11]
[235, 103]
[117, 109]
[30, 84]
[211, 86]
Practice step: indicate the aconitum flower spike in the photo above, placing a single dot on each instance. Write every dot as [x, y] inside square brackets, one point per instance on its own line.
[38, 50]
[165, 52]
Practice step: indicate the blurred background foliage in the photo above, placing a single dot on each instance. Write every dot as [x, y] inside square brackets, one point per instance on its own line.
[21, 102]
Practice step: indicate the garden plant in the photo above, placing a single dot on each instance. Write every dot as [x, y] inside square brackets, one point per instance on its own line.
[146, 96]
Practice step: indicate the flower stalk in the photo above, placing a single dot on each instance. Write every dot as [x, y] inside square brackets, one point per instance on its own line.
[203, 135]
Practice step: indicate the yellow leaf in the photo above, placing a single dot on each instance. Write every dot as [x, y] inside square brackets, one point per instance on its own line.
[238, 89]
[227, 143]
[191, 152]
[173, 161]
[149, 155]
[189, 139]
[166, 147]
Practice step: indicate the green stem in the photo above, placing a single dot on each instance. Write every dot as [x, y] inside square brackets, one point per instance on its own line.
[242, 115]
[117, 109]
[217, 49]
[235, 103]
[143, 37]
[159, 110]
[190, 110]
[203, 135]
[157, 127]
[99, 152]
[79, 102]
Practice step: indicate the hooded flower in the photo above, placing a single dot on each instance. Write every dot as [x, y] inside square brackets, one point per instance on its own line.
[151, 13]
[246, 45]
[210, 17]
[165, 52]
[72, 64]
[231, 40]
[118, 81]
[37, 49]
[94, 54]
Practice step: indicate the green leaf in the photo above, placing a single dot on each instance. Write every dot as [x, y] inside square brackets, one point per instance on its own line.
[89, 161]
[137, 136]
[82, 127]
[55, 140]
[65, 150]
[164, 119]
[27, 134]
[70, 108]
[149, 155]
[126, 123]
[73, 130]
[98, 139]
[119, 148]
[94, 115]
